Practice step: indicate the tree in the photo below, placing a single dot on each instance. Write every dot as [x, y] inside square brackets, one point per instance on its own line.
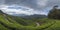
[54, 13]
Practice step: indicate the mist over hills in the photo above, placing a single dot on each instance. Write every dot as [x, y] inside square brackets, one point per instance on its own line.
[37, 16]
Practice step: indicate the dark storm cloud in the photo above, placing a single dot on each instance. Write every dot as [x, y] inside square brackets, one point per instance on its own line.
[53, 2]
[2, 2]
[36, 4]
[28, 3]
[41, 5]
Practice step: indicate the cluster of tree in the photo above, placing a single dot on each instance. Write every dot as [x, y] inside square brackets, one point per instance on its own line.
[54, 13]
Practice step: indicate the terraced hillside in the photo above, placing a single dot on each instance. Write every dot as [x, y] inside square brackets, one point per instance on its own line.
[8, 22]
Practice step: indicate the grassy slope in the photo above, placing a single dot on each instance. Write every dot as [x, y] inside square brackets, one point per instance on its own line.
[10, 23]
[22, 21]
[3, 28]
[55, 26]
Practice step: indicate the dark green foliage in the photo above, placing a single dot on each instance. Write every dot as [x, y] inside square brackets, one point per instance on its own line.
[1, 12]
[54, 13]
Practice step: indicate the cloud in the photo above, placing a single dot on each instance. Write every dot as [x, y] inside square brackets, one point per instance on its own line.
[51, 3]
[22, 10]
[38, 6]
[35, 4]
[42, 2]
[2, 2]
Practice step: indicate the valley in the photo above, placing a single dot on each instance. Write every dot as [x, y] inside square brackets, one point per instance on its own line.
[8, 22]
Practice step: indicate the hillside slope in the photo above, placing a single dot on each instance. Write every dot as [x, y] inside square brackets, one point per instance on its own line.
[8, 22]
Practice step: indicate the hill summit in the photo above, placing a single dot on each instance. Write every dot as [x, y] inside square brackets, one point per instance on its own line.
[1, 12]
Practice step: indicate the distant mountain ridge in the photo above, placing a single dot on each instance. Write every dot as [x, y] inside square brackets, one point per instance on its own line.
[34, 16]
[26, 16]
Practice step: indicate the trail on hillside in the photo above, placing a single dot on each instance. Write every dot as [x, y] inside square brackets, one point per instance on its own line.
[7, 26]
[37, 24]
[48, 26]
[6, 18]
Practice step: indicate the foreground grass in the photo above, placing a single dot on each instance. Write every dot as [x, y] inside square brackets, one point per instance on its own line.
[55, 26]
[3, 28]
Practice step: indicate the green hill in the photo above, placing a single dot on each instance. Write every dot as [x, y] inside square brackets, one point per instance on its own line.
[8, 22]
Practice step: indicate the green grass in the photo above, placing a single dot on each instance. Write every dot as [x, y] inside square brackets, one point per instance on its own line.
[3, 28]
[9, 24]
[17, 23]
[55, 26]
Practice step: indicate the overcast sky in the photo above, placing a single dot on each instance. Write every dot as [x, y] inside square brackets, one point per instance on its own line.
[28, 6]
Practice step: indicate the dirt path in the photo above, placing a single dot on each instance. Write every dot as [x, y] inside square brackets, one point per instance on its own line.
[37, 24]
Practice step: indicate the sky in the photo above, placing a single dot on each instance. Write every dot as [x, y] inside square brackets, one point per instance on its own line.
[28, 7]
